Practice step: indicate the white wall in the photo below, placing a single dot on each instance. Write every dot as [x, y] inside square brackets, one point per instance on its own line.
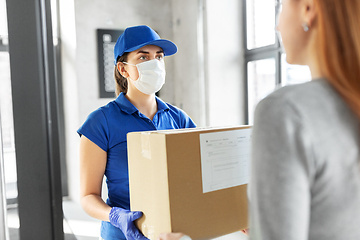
[189, 88]
[225, 63]
[71, 96]
[208, 71]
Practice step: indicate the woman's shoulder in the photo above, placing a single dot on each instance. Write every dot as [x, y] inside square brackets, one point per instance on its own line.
[179, 115]
[103, 112]
[109, 107]
[310, 102]
[174, 110]
[169, 107]
[303, 90]
[302, 94]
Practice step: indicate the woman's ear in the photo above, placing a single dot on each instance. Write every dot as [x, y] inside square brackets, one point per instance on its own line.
[121, 68]
[309, 12]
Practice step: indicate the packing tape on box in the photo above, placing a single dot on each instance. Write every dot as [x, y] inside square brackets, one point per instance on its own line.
[145, 145]
[149, 231]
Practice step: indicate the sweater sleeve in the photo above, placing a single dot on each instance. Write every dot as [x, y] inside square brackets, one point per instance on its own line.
[280, 173]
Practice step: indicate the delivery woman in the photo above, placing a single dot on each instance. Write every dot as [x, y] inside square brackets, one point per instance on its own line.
[139, 72]
[305, 177]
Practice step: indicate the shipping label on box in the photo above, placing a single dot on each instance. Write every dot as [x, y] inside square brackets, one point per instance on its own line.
[190, 180]
[225, 158]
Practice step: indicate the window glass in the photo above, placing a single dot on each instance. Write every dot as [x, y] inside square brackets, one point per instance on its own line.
[7, 130]
[261, 82]
[7, 126]
[54, 20]
[3, 20]
[260, 22]
[293, 74]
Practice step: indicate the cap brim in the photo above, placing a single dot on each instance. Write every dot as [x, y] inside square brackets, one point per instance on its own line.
[167, 46]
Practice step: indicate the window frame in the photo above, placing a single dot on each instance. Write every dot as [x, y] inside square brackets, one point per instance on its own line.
[266, 52]
[57, 51]
[3, 47]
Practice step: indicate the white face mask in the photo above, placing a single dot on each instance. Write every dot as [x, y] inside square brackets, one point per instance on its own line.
[151, 76]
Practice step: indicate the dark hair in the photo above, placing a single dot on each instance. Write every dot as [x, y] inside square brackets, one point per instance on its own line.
[121, 84]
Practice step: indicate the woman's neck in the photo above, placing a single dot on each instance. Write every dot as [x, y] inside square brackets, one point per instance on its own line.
[146, 104]
[312, 59]
[315, 70]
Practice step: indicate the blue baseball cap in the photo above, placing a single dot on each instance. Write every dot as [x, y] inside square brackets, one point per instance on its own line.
[137, 37]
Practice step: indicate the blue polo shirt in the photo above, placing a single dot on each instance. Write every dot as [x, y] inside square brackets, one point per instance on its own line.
[107, 127]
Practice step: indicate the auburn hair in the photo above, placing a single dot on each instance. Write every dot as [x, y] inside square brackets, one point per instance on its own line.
[338, 44]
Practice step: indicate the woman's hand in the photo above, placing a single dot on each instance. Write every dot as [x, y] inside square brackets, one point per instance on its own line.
[173, 236]
[124, 220]
[245, 231]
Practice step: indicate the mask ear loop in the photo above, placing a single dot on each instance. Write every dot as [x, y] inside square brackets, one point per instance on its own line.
[129, 78]
[129, 64]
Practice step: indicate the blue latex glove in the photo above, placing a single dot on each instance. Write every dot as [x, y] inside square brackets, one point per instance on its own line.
[124, 219]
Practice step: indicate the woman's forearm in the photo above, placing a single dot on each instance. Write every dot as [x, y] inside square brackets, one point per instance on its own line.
[95, 206]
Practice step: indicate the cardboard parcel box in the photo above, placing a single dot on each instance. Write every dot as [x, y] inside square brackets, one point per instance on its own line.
[190, 180]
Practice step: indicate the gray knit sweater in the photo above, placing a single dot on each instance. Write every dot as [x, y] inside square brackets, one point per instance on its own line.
[305, 173]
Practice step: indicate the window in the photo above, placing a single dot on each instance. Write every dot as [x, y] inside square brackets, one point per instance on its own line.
[260, 31]
[8, 150]
[261, 81]
[266, 68]
[293, 74]
[7, 126]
